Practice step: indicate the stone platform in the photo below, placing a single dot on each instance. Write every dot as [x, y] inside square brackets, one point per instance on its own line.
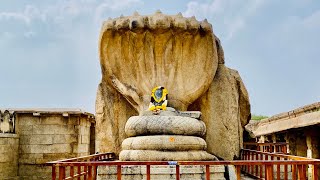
[167, 136]
[159, 172]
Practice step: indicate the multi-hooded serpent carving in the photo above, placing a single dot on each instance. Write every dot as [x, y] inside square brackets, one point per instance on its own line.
[138, 53]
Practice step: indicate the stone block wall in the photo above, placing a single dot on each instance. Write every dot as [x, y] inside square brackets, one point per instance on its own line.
[44, 135]
[9, 144]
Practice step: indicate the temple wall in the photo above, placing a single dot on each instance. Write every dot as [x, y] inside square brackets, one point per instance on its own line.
[42, 137]
[9, 144]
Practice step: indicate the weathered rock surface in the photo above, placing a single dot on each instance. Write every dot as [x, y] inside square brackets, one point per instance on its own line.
[112, 112]
[225, 110]
[164, 143]
[156, 125]
[148, 155]
[138, 53]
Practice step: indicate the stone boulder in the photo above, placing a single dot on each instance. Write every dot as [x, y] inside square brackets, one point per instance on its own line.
[182, 54]
[225, 111]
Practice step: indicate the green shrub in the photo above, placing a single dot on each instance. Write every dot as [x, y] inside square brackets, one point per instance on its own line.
[258, 117]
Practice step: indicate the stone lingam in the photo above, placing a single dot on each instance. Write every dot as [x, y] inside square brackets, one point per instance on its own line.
[164, 134]
[138, 53]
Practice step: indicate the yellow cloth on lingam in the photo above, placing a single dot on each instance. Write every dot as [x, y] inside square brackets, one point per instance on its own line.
[158, 100]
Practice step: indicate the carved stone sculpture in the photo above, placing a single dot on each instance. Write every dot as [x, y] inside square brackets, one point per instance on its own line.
[182, 54]
[6, 122]
[165, 137]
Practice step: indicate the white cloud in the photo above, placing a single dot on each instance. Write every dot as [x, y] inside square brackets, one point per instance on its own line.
[239, 22]
[7, 35]
[234, 14]
[62, 12]
[235, 26]
[297, 25]
[114, 5]
[33, 12]
[29, 34]
[30, 13]
[205, 9]
[15, 16]
[312, 21]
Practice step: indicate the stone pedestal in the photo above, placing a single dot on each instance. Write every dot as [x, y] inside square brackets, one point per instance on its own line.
[160, 172]
[169, 136]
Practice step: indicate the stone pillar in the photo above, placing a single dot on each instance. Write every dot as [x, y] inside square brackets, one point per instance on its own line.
[274, 138]
[312, 141]
[312, 146]
[309, 145]
[286, 138]
[309, 153]
[261, 139]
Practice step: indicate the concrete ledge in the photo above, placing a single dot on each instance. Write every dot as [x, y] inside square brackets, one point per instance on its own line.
[8, 135]
[265, 127]
[189, 172]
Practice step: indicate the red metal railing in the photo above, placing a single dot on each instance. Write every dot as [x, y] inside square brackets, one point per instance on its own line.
[279, 147]
[259, 164]
[85, 171]
[281, 164]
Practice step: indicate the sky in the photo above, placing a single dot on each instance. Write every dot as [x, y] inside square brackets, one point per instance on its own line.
[49, 49]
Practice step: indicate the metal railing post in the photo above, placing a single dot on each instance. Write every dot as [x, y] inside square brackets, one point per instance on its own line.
[285, 171]
[269, 172]
[301, 172]
[177, 172]
[72, 171]
[238, 172]
[89, 172]
[62, 172]
[207, 172]
[294, 172]
[79, 172]
[118, 172]
[54, 175]
[85, 169]
[148, 172]
[315, 172]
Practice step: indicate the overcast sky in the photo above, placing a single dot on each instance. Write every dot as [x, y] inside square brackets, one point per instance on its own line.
[49, 49]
